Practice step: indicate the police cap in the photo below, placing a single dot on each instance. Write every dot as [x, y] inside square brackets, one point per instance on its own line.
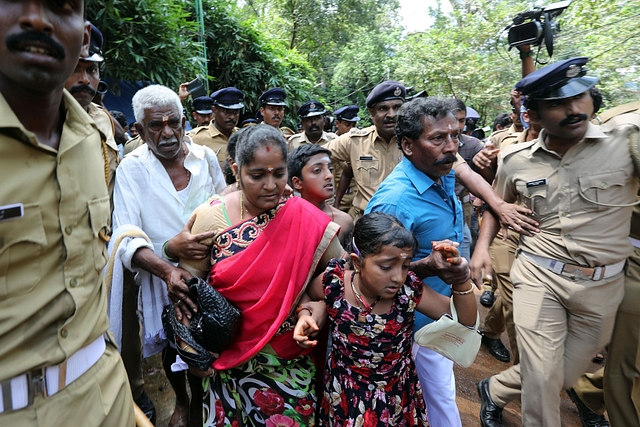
[202, 105]
[249, 122]
[386, 91]
[95, 46]
[562, 79]
[311, 109]
[228, 97]
[348, 114]
[275, 96]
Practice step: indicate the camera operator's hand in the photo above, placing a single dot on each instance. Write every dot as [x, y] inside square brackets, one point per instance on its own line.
[528, 66]
[183, 92]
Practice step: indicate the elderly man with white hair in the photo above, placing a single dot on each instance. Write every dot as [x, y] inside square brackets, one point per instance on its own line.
[157, 187]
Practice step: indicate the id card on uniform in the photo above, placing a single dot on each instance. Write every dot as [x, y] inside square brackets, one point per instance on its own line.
[9, 212]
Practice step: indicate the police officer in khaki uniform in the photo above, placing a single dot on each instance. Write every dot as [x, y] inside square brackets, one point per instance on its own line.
[272, 105]
[372, 152]
[57, 365]
[227, 105]
[568, 279]
[311, 115]
[202, 110]
[83, 84]
[616, 387]
[346, 119]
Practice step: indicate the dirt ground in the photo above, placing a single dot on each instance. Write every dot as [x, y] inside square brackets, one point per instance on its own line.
[485, 365]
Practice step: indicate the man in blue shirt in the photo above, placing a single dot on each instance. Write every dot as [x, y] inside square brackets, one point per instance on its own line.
[420, 192]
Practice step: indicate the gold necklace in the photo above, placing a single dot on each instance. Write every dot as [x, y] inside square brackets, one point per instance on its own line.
[361, 300]
[241, 205]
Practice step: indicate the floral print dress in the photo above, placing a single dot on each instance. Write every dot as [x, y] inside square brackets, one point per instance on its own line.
[370, 378]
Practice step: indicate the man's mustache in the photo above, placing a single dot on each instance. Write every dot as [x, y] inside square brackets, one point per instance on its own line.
[448, 158]
[387, 121]
[574, 118]
[82, 88]
[14, 40]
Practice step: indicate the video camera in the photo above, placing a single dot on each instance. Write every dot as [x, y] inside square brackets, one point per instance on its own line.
[540, 26]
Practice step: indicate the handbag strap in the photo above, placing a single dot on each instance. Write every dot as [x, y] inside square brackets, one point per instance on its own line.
[454, 314]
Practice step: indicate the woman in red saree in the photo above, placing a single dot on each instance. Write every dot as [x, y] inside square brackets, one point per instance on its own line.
[264, 254]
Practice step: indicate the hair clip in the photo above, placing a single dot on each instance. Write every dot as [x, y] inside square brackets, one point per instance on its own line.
[355, 248]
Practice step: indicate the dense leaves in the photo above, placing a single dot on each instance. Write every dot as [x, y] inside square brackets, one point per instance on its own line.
[336, 51]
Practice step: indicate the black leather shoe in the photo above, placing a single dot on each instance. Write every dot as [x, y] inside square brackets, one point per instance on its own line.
[487, 298]
[496, 348]
[490, 413]
[588, 418]
[146, 405]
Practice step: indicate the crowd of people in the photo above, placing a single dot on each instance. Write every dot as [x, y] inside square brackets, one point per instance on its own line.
[334, 246]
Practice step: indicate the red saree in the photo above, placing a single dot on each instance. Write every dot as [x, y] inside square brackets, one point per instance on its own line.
[267, 273]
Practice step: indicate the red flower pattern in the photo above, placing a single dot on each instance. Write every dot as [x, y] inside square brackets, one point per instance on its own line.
[269, 402]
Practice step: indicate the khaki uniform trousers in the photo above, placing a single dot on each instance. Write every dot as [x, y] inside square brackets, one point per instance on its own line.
[560, 323]
[99, 398]
[500, 315]
[620, 378]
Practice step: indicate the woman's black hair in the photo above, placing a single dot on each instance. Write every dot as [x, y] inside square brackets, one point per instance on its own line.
[254, 137]
[375, 230]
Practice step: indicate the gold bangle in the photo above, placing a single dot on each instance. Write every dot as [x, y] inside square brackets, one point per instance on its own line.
[299, 309]
[467, 292]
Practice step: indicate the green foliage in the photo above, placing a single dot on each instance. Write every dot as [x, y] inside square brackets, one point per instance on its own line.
[146, 40]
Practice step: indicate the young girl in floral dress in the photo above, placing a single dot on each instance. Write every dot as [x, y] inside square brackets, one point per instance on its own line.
[370, 378]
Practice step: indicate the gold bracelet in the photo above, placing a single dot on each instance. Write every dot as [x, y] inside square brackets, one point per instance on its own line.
[467, 292]
[299, 309]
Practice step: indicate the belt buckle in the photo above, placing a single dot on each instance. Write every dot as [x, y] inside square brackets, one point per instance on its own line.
[37, 384]
[598, 273]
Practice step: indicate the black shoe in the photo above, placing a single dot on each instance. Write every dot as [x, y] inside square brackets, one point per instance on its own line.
[487, 298]
[587, 416]
[146, 405]
[496, 348]
[490, 413]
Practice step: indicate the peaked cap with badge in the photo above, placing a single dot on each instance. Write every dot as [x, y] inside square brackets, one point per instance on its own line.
[275, 96]
[311, 109]
[202, 105]
[560, 80]
[386, 91]
[348, 113]
[95, 46]
[228, 97]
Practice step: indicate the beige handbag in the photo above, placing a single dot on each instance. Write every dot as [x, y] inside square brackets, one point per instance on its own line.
[451, 339]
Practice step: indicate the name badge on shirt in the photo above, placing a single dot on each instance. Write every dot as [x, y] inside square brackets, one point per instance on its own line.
[9, 212]
[366, 158]
[537, 183]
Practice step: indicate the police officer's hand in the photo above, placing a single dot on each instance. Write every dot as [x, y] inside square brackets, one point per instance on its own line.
[176, 280]
[516, 217]
[480, 260]
[486, 157]
[440, 263]
[187, 246]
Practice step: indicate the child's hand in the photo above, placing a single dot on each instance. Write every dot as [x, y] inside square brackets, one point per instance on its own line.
[449, 251]
[305, 328]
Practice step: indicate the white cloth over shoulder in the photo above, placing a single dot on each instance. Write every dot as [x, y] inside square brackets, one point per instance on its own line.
[145, 197]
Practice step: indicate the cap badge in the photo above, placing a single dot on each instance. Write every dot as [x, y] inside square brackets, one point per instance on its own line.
[397, 92]
[573, 71]
[312, 106]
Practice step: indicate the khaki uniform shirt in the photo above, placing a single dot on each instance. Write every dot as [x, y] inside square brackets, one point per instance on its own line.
[566, 194]
[52, 298]
[499, 137]
[211, 137]
[286, 132]
[301, 138]
[371, 158]
[132, 144]
[104, 121]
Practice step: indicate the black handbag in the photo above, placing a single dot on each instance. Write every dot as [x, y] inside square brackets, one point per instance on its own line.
[212, 329]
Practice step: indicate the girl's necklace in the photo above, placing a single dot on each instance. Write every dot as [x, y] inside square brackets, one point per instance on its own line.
[360, 298]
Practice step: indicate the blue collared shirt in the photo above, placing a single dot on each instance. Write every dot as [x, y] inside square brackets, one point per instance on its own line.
[430, 210]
